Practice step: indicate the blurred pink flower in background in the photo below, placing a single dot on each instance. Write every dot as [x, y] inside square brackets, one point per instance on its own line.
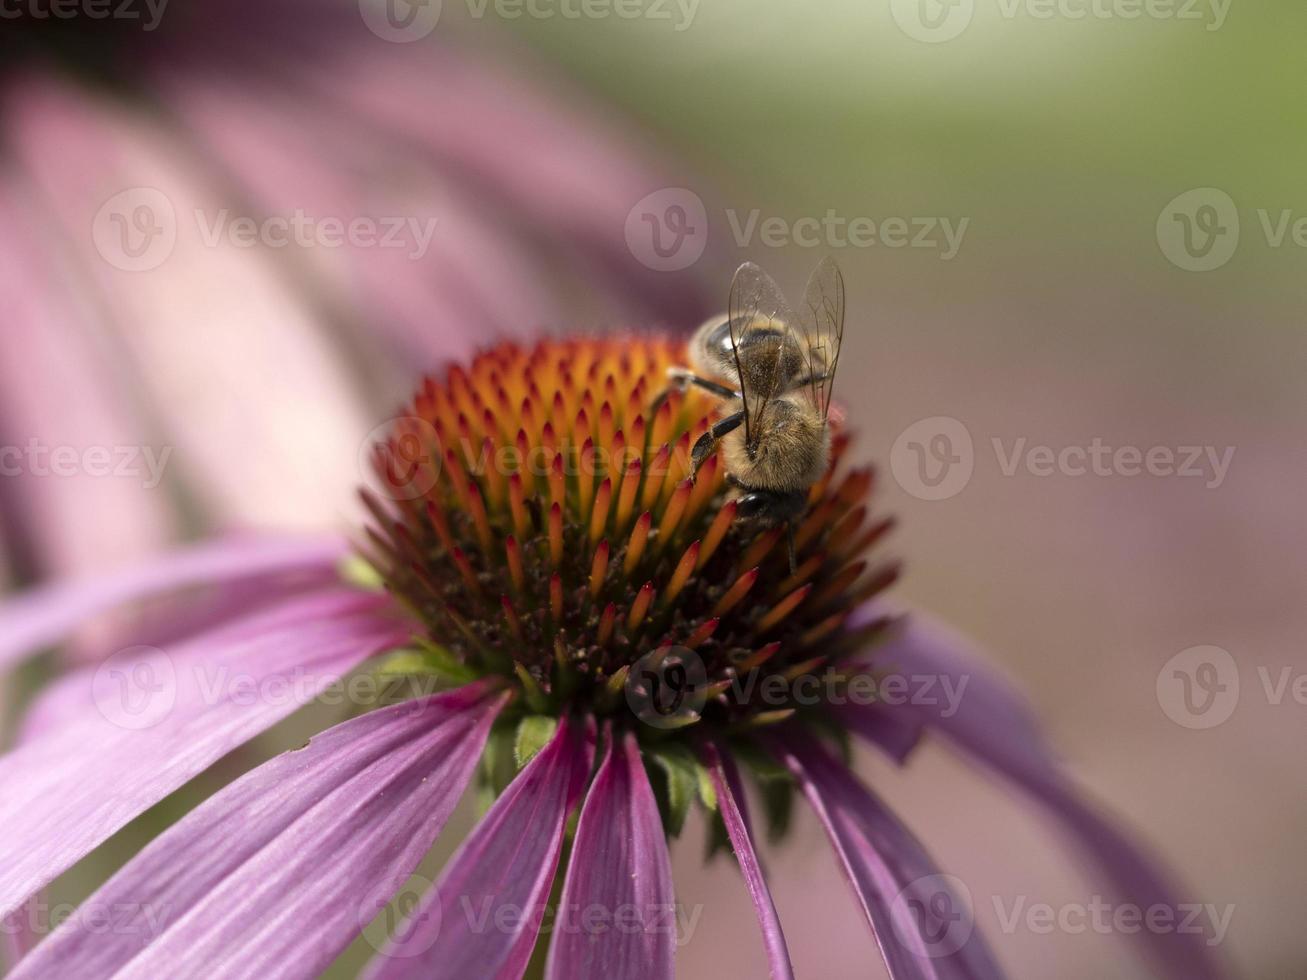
[137, 318]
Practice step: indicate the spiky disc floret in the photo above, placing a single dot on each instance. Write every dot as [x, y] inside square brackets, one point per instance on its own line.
[543, 526]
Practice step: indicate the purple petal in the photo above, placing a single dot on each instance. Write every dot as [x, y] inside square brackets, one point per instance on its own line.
[621, 868]
[893, 732]
[19, 932]
[433, 300]
[987, 719]
[731, 801]
[275, 875]
[61, 392]
[480, 919]
[45, 615]
[481, 122]
[164, 718]
[258, 401]
[923, 930]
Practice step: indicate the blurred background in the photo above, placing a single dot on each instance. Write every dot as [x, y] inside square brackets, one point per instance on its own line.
[233, 235]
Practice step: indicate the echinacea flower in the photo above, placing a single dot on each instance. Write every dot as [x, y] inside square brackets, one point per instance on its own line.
[610, 641]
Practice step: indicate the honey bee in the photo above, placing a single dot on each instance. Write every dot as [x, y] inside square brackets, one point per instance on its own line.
[773, 368]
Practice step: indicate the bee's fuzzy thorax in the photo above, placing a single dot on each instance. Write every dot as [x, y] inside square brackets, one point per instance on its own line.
[549, 532]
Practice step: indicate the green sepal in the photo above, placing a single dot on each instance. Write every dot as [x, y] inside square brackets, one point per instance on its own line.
[776, 786]
[358, 571]
[778, 807]
[498, 766]
[718, 840]
[533, 734]
[683, 779]
[536, 698]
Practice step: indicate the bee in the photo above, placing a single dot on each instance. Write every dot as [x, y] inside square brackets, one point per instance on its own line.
[773, 368]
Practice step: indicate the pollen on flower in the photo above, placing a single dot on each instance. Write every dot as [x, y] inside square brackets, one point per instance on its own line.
[544, 526]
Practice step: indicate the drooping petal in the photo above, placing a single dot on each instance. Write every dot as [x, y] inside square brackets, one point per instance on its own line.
[216, 333]
[480, 919]
[893, 732]
[163, 718]
[479, 122]
[619, 867]
[454, 283]
[45, 615]
[275, 875]
[731, 803]
[63, 394]
[988, 720]
[923, 930]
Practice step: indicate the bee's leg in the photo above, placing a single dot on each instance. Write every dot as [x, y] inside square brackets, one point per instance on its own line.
[679, 379]
[772, 507]
[684, 379]
[706, 443]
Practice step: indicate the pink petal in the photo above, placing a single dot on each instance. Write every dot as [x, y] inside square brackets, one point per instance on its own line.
[470, 282]
[483, 121]
[254, 395]
[481, 917]
[43, 616]
[164, 718]
[884, 863]
[731, 801]
[64, 391]
[275, 875]
[621, 868]
[19, 931]
[992, 722]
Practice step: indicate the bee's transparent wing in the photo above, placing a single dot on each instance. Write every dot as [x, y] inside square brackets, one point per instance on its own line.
[756, 299]
[821, 322]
